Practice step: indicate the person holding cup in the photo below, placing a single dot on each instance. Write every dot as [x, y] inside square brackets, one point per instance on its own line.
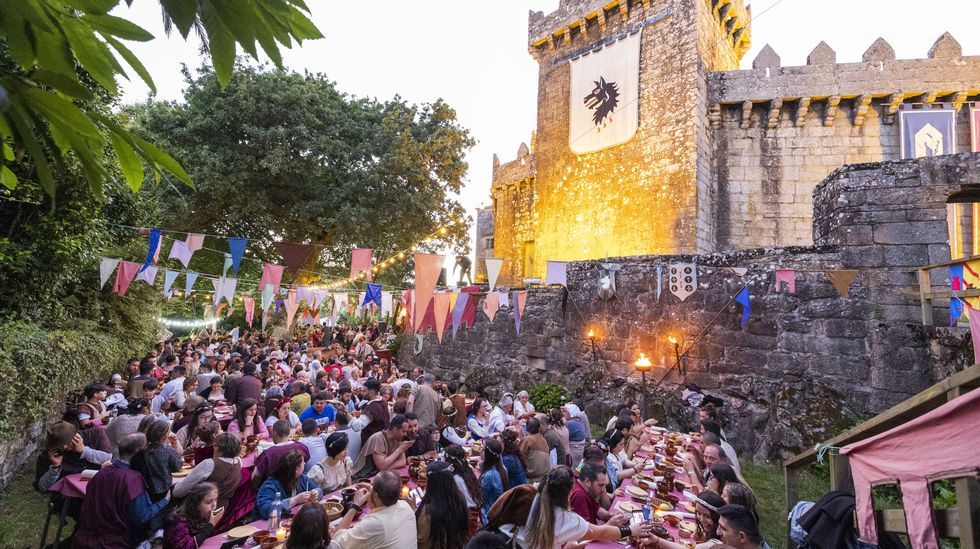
[289, 482]
[195, 520]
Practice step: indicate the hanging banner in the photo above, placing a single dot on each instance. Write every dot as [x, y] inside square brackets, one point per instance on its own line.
[440, 307]
[194, 242]
[975, 129]
[788, 277]
[304, 293]
[458, 309]
[271, 274]
[267, 294]
[151, 255]
[556, 273]
[236, 247]
[744, 300]
[607, 280]
[956, 308]
[169, 277]
[427, 269]
[372, 296]
[124, 277]
[683, 279]
[249, 307]
[291, 306]
[490, 305]
[604, 100]
[294, 255]
[360, 263]
[842, 280]
[493, 270]
[927, 132]
[387, 303]
[179, 250]
[106, 266]
[148, 274]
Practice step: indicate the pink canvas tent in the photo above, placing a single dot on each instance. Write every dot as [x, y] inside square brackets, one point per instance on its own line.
[940, 444]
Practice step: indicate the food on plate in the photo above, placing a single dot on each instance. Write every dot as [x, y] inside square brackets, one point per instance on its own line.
[690, 507]
[665, 507]
[688, 525]
[674, 520]
[259, 535]
[685, 533]
[333, 509]
[659, 531]
[628, 506]
[636, 491]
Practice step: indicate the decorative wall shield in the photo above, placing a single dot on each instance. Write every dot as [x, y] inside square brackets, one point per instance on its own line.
[683, 279]
[607, 280]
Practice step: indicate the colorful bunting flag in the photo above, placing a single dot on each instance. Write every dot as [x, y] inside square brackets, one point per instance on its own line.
[971, 274]
[787, 276]
[339, 303]
[740, 271]
[291, 306]
[271, 274]
[504, 299]
[743, 299]
[387, 303]
[440, 308]
[267, 294]
[179, 250]
[975, 331]
[237, 248]
[956, 308]
[956, 280]
[557, 273]
[228, 286]
[493, 270]
[458, 309]
[249, 307]
[189, 279]
[294, 254]
[169, 277]
[372, 295]
[194, 242]
[106, 266]
[683, 279]
[360, 262]
[490, 305]
[842, 280]
[427, 269]
[234, 334]
[154, 249]
[148, 274]
[520, 298]
[124, 276]
[304, 293]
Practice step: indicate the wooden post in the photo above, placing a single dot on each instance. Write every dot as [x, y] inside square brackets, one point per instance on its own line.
[840, 473]
[791, 476]
[968, 509]
[925, 287]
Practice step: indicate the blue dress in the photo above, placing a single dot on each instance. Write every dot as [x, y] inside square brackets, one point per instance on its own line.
[267, 494]
[516, 474]
[491, 487]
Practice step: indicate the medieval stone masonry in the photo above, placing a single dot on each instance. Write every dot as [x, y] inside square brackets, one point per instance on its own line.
[723, 159]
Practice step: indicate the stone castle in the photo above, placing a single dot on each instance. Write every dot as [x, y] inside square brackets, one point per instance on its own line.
[723, 159]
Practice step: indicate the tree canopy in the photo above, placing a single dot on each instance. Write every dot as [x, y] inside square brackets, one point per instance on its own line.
[49, 115]
[278, 155]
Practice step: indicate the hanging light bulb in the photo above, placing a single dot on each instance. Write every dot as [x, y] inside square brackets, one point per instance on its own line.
[442, 230]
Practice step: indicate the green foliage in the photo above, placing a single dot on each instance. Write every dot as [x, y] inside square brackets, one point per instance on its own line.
[396, 345]
[768, 483]
[298, 159]
[50, 114]
[546, 396]
[943, 494]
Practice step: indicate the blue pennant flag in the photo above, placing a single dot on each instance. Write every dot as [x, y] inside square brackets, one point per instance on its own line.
[956, 307]
[373, 294]
[154, 244]
[237, 248]
[743, 299]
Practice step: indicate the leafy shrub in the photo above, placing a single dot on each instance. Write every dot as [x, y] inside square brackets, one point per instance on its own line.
[546, 396]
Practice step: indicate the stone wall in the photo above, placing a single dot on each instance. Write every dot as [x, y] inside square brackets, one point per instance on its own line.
[15, 453]
[778, 131]
[806, 365]
[514, 202]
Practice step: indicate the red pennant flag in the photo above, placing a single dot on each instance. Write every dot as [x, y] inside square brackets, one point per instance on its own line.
[294, 255]
[124, 276]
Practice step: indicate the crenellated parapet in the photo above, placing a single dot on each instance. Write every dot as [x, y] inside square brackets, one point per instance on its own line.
[522, 168]
[945, 76]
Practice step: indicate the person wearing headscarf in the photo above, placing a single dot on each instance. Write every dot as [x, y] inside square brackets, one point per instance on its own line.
[577, 435]
[523, 409]
[501, 416]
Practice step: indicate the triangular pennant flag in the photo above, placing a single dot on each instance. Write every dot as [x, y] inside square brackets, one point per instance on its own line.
[520, 298]
[660, 280]
[493, 270]
[743, 299]
[249, 307]
[975, 331]
[294, 255]
[178, 250]
[124, 276]
[168, 280]
[236, 246]
[440, 307]
[372, 296]
[304, 293]
[216, 283]
[409, 306]
[267, 294]
[291, 306]
[148, 274]
[220, 307]
[189, 280]
[228, 289]
[227, 265]
[458, 309]
[234, 335]
[557, 273]
[787, 276]
[154, 248]
[683, 279]
[504, 299]
[360, 263]
[387, 303]
[740, 271]
[490, 305]
[106, 266]
[194, 242]
[469, 311]
[271, 274]
[842, 280]
[956, 308]
[427, 268]
[339, 303]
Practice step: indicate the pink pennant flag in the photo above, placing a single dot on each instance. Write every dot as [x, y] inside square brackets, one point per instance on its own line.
[180, 251]
[291, 306]
[249, 307]
[521, 301]
[974, 331]
[194, 242]
[124, 276]
[789, 277]
[441, 309]
[271, 274]
[360, 262]
[490, 305]
[427, 269]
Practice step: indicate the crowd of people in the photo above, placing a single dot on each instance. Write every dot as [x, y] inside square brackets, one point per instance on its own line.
[329, 411]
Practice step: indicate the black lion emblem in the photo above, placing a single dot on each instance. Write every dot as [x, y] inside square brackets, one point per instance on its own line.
[603, 100]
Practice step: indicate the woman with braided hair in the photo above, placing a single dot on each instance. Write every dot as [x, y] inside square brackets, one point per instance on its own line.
[493, 476]
[468, 485]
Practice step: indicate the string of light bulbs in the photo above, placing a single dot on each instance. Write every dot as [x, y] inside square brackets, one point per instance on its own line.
[189, 324]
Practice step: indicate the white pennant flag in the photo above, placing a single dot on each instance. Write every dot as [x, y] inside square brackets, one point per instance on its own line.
[228, 286]
[387, 303]
[168, 281]
[234, 335]
[106, 267]
[493, 270]
[191, 278]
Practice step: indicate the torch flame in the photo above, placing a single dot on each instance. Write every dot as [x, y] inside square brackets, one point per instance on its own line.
[672, 339]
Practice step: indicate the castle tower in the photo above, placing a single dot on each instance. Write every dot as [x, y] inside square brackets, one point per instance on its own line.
[567, 199]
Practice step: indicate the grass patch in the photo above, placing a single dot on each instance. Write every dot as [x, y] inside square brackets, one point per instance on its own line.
[768, 483]
[22, 512]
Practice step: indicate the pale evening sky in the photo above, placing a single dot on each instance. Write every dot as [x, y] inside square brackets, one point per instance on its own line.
[474, 54]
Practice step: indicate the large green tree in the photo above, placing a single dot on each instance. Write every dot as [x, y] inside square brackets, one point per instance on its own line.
[286, 156]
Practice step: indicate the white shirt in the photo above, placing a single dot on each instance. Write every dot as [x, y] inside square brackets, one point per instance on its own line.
[569, 526]
[451, 436]
[498, 421]
[520, 409]
[397, 385]
[477, 428]
[391, 527]
[174, 388]
[461, 484]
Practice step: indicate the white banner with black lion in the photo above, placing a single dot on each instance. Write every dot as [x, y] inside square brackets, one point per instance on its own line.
[604, 103]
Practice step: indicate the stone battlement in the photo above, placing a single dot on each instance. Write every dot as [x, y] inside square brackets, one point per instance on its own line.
[521, 168]
[946, 76]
